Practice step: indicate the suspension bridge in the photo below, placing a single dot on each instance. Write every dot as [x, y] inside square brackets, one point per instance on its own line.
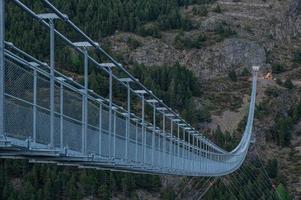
[46, 116]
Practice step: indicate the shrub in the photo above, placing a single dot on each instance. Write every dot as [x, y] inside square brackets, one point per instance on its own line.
[217, 9]
[279, 81]
[200, 10]
[232, 75]
[183, 42]
[272, 92]
[288, 84]
[150, 30]
[224, 31]
[133, 43]
[245, 72]
[277, 68]
[297, 57]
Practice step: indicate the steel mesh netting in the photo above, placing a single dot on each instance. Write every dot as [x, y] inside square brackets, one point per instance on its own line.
[140, 142]
[132, 141]
[43, 126]
[105, 119]
[18, 81]
[43, 91]
[93, 140]
[72, 134]
[18, 118]
[105, 135]
[120, 136]
[57, 130]
[120, 126]
[93, 113]
[57, 99]
[72, 104]
[148, 149]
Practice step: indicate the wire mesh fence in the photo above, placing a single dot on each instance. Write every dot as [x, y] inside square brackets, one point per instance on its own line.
[27, 116]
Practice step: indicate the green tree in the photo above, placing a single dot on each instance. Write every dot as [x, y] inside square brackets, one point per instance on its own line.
[282, 192]
[104, 192]
[232, 75]
[272, 168]
[288, 84]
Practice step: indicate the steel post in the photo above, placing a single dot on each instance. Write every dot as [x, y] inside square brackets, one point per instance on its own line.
[114, 134]
[154, 134]
[61, 115]
[143, 142]
[86, 82]
[110, 112]
[136, 146]
[178, 135]
[170, 143]
[52, 66]
[100, 129]
[128, 121]
[164, 140]
[34, 109]
[183, 150]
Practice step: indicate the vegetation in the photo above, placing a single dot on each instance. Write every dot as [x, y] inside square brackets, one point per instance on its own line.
[201, 10]
[99, 18]
[22, 180]
[185, 42]
[288, 84]
[277, 68]
[272, 91]
[224, 31]
[133, 43]
[283, 192]
[217, 9]
[281, 132]
[176, 86]
[232, 75]
[297, 57]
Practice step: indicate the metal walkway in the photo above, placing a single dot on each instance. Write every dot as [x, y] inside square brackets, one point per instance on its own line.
[46, 116]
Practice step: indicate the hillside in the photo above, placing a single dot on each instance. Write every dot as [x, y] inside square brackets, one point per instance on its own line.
[210, 46]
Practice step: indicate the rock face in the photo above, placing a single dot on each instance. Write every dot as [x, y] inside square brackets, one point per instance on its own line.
[243, 52]
[208, 63]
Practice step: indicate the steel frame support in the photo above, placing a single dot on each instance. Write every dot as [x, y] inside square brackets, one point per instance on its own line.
[61, 115]
[2, 65]
[154, 134]
[178, 140]
[136, 146]
[85, 102]
[114, 133]
[127, 130]
[34, 108]
[110, 111]
[170, 143]
[164, 140]
[52, 81]
[143, 142]
[183, 150]
[100, 129]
